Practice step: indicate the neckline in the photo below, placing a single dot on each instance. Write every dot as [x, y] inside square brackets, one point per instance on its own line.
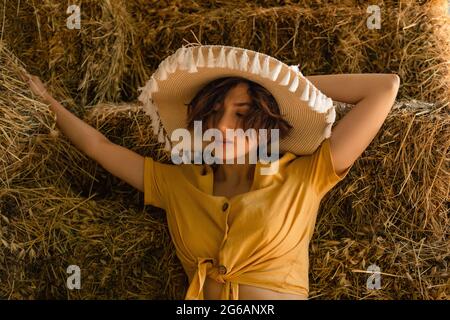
[210, 174]
[208, 185]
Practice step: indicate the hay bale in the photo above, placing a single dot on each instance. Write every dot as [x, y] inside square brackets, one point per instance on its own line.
[122, 42]
[21, 118]
[391, 211]
[100, 62]
[122, 248]
[57, 207]
[399, 223]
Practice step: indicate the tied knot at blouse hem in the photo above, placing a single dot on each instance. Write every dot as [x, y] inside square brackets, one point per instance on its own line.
[230, 291]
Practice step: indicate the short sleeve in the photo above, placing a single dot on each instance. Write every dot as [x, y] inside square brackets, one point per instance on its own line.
[153, 183]
[317, 169]
[323, 174]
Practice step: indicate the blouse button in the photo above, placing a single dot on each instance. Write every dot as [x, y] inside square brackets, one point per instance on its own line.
[225, 206]
[222, 269]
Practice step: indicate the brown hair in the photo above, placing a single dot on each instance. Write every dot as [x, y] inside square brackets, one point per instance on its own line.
[263, 114]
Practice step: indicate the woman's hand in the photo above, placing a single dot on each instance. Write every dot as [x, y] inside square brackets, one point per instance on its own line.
[36, 86]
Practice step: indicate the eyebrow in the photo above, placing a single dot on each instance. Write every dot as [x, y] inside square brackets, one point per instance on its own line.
[243, 104]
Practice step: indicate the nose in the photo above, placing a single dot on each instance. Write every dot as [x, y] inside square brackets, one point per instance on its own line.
[226, 121]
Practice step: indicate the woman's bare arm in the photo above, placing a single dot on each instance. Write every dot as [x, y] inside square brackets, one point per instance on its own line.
[82, 135]
[373, 95]
[119, 161]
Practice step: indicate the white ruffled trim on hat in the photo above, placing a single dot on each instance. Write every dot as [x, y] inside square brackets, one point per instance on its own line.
[200, 59]
[183, 59]
[256, 66]
[286, 78]
[305, 93]
[231, 59]
[211, 58]
[265, 73]
[330, 118]
[243, 63]
[150, 109]
[276, 71]
[221, 62]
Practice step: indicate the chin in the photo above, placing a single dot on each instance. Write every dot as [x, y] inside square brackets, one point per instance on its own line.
[234, 158]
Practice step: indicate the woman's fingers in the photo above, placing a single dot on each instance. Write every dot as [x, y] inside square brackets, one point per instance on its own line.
[36, 85]
[27, 77]
[24, 75]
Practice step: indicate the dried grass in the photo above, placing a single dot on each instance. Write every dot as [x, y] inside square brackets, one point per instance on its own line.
[122, 42]
[58, 207]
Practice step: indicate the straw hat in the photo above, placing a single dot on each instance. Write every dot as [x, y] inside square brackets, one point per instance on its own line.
[181, 75]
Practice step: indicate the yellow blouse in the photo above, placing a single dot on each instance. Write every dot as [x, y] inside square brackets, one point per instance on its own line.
[258, 238]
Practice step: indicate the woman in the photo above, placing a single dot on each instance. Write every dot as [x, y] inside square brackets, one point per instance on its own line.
[241, 233]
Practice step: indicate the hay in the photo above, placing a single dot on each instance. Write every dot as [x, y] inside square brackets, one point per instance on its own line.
[56, 210]
[391, 211]
[122, 42]
[102, 61]
[58, 207]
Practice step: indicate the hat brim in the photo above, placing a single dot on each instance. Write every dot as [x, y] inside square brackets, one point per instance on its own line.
[311, 120]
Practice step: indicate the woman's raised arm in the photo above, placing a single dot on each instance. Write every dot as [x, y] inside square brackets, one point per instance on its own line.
[119, 161]
[373, 94]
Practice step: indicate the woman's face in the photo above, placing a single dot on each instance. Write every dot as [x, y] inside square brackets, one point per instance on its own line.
[236, 104]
